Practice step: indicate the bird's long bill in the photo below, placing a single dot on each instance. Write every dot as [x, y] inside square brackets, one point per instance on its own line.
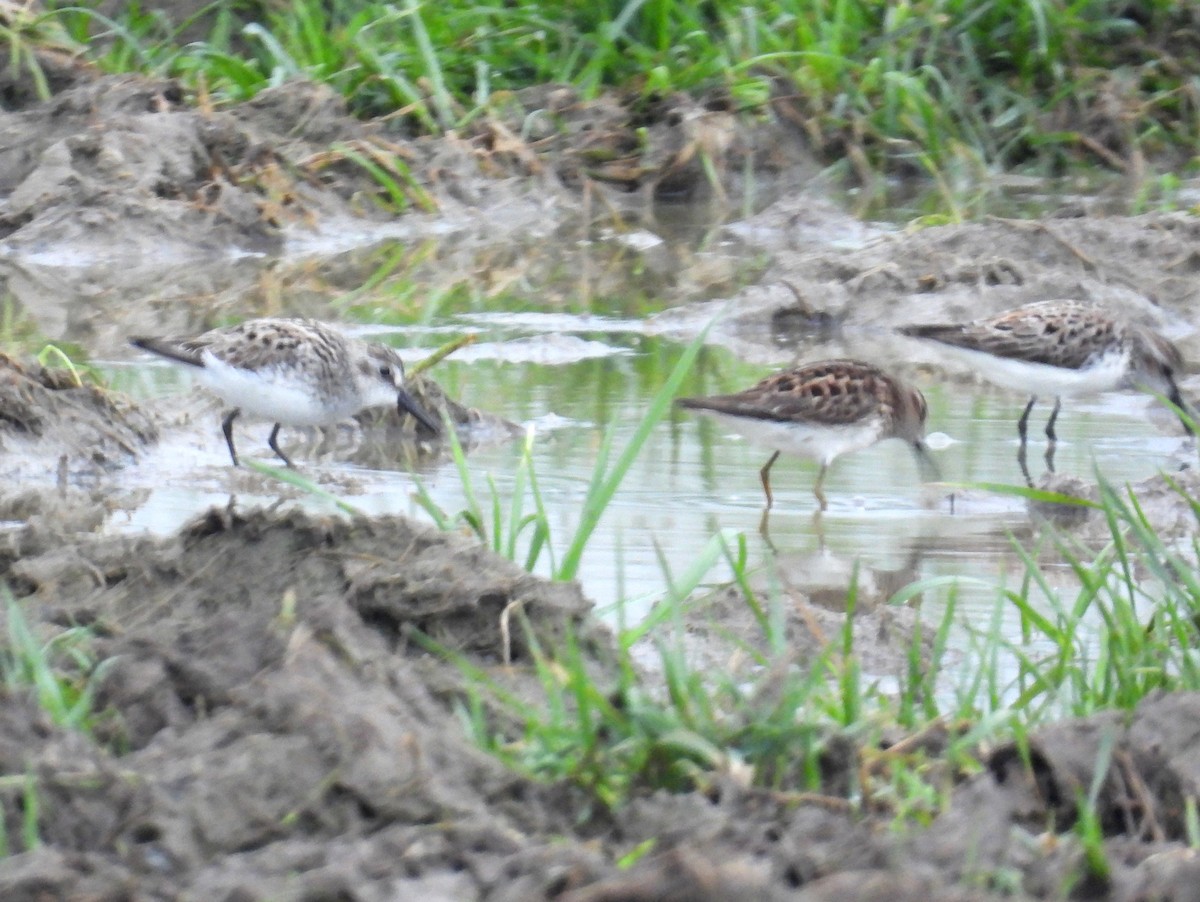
[1186, 417]
[930, 471]
[405, 404]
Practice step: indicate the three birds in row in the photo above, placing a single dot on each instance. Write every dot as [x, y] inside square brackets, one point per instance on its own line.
[301, 372]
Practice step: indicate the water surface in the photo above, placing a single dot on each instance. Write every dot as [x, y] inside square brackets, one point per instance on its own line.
[694, 479]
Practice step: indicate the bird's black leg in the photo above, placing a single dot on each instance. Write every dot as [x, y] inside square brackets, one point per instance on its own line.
[819, 488]
[1050, 424]
[1024, 466]
[1024, 421]
[765, 475]
[273, 441]
[227, 428]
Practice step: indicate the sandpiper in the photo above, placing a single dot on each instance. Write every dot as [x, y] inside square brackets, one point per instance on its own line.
[1062, 348]
[821, 411]
[295, 372]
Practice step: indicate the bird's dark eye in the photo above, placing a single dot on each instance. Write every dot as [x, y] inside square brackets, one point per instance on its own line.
[385, 372]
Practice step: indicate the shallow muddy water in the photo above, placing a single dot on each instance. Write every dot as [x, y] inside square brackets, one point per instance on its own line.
[568, 377]
[574, 333]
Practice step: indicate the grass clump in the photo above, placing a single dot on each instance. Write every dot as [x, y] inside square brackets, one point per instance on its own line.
[503, 530]
[819, 725]
[944, 87]
[30, 808]
[60, 673]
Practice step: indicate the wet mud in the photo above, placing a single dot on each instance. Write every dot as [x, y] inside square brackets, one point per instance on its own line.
[53, 414]
[272, 722]
[271, 727]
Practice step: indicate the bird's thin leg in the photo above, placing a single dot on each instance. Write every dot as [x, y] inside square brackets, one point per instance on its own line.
[765, 475]
[1050, 456]
[818, 490]
[273, 441]
[1024, 421]
[1024, 465]
[227, 428]
[764, 528]
[1050, 423]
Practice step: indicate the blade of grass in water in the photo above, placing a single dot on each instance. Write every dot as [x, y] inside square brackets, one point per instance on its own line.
[604, 482]
[440, 354]
[294, 479]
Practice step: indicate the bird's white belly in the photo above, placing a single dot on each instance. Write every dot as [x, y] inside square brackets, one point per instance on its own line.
[1104, 374]
[820, 443]
[272, 394]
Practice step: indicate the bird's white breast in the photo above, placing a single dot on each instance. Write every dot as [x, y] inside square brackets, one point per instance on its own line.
[816, 442]
[1104, 373]
[281, 395]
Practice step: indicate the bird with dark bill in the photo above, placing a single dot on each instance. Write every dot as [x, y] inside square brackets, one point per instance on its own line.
[821, 411]
[1062, 348]
[291, 372]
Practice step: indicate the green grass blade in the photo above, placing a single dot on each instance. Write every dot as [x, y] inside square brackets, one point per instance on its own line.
[605, 483]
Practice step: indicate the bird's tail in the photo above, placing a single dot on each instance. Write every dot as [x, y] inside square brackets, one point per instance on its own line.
[169, 350]
[936, 331]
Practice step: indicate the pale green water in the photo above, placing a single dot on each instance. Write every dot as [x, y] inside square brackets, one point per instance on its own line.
[567, 345]
[693, 479]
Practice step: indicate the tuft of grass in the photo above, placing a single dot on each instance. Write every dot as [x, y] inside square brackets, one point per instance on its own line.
[501, 530]
[399, 189]
[60, 672]
[30, 807]
[615, 732]
[618, 732]
[75, 365]
[19, 336]
[299, 481]
[942, 88]
[26, 33]
[1127, 631]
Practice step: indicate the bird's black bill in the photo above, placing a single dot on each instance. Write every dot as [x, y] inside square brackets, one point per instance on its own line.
[929, 468]
[405, 404]
[1185, 412]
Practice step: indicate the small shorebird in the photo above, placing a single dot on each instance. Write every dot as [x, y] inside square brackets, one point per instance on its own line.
[1062, 348]
[821, 411]
[295, 372]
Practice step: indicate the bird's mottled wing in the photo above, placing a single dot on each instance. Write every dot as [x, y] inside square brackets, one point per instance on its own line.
[833, 393]
[1052, 333]
[259, 344]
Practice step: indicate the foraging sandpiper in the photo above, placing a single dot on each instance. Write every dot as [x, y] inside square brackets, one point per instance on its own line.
[821, 411]
[295, 372]
[1062, 348]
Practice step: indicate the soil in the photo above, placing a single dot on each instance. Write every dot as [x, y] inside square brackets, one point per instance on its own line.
[272, 725]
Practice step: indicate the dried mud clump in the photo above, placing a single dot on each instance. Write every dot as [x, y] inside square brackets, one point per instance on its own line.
[266, 712]
[268, 726]
[50, 416]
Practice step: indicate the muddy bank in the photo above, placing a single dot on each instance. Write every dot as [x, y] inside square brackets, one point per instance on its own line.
[267, 713]
[268, 727]
[183, 179]
[816, 298]
[54, 415]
